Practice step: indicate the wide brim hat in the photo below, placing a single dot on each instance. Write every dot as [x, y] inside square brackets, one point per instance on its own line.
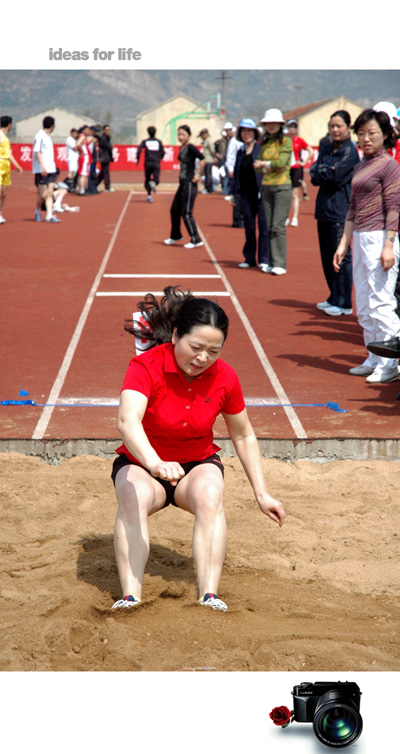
[273, 115]
[247, 123]
[389, 108]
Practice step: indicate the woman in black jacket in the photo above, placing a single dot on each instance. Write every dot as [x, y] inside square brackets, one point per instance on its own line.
[183, 201]
[247, 183]
[333, 172]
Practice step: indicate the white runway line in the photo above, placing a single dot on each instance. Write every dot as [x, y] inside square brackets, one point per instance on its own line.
[167, 276]
[45, 417]
[282, 397]
[159, 293]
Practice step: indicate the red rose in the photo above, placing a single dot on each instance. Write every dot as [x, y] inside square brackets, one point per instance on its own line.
[280, 715]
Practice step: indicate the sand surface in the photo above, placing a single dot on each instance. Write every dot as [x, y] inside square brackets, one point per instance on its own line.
[321, 593]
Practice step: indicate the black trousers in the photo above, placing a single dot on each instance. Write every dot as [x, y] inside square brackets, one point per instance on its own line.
[151, 173]
[253, 214]
[104, 175]
[339, 283]
[208, 185]
[182, 208]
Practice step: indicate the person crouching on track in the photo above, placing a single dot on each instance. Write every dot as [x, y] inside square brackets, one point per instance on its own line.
[183, 202]
[171, 396]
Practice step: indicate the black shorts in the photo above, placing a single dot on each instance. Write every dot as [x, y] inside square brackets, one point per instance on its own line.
[123, 460]
[44, 180]
[296, 176]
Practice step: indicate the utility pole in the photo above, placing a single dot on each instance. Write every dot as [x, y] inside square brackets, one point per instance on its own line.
[223, 78]
[298, 87]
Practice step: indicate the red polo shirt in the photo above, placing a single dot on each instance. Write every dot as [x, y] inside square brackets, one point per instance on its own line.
[180, 415]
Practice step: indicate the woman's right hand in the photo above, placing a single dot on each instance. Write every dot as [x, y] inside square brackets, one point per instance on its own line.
[338, 258]
[171, 471]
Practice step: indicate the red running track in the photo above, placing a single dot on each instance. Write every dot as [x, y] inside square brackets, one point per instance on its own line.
[63, 338]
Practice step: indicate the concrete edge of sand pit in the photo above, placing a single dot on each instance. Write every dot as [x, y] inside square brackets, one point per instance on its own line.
[323, 450]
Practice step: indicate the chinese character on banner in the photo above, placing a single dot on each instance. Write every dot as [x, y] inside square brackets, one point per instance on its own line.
[131, 154]
[115, 153]
[26, 154]
[141, 343]
[169, 154]
[62, 154]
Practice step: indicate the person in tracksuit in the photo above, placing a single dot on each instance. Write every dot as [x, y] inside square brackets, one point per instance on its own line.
[153, 153]
[183, 201]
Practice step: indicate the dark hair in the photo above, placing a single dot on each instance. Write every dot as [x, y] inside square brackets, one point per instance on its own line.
[185, 128]
[151, 131]
[179, 310]
[343, 114]
[5, 121]
[278, 136]
[48, 121]
[382, 120]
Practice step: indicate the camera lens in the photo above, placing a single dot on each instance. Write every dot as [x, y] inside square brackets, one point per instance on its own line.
[337, 721]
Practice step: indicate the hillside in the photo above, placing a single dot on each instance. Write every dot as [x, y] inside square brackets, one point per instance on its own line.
[118, 96]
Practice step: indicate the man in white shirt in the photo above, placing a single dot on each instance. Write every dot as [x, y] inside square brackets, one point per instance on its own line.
[44, 170]
[72, 158]
[232, 149]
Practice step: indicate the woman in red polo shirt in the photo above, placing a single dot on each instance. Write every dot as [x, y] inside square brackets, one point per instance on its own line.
[170, 398]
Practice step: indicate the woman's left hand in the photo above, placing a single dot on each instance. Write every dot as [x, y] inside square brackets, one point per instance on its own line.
[387, 256]
[272, 508]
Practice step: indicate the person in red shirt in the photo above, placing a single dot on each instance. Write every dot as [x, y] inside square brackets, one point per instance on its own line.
[297, 168]
[170, 398]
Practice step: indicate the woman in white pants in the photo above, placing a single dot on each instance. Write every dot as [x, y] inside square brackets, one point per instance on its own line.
[372, 221]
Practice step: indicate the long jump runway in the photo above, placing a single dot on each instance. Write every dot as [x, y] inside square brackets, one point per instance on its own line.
[68, 288]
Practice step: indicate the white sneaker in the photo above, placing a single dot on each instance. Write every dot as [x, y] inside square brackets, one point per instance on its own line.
[383, 376]
[361, 371]
[149, 199]
[278, 271]
[211, 600]
[335, 311]
[128, 601]
[2, 220]
[287, 221]
[191, 245]
[170, 241]
[57, 209]
[294, 222]
[265, 268]
[152, 185]
[323, 305]
[244, 265]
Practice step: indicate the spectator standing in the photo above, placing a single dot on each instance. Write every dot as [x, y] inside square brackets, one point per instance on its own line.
[274, 163]
[94, 155]
[44, 169]
[209, 156]
[191, 166]
[232, 149]
[332, 172]
[72, 159]
[372, 222]
[297, 168]
[84, 158]
[6, 160]
[105, 158]
[247, 183]
[153, 153]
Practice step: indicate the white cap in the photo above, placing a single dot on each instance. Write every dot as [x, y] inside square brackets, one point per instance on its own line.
[387, 108]
[272, 116]
[227, 126]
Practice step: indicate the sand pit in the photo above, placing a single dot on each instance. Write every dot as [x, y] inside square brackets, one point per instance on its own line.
[319, 594]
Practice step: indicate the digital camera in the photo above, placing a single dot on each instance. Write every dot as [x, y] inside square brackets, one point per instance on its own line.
[332, 708]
